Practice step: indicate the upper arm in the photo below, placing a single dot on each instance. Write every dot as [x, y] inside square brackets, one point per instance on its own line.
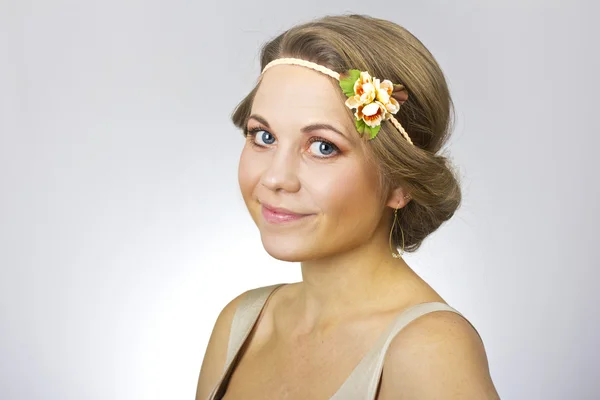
[439, 355]
[216, 350]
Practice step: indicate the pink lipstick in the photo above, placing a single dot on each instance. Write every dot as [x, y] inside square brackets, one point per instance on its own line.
[276, 215]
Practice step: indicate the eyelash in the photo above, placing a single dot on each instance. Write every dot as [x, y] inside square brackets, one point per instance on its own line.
[253, 131]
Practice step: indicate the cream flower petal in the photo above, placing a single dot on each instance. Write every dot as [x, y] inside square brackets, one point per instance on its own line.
[383, 96]
[374, 113]
[365, 77]
[353, 102]
[392, 106]
[368, 87]
[357, 86]
[367, 97]
[388, 86]
[373, 121]
[366, 92]
[358, 114]
[371, 109]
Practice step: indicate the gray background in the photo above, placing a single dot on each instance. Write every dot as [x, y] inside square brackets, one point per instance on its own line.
[123, 234]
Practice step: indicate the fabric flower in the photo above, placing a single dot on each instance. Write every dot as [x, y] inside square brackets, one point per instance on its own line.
[364, 91]
[372, 99]
[372, 114]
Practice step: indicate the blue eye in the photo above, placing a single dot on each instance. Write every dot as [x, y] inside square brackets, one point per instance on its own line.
[261, 137]
[323, 148]
[266, 137]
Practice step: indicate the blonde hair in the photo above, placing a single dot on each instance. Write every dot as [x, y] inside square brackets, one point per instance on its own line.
[389, 51]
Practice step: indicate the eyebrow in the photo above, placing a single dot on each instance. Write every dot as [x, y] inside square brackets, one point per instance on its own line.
[316, 127]
[306, 129]
[259, 119]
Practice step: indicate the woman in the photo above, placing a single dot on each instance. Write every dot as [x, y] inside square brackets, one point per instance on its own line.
[339, 170]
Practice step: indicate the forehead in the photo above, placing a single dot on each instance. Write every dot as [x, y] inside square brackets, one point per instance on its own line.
[296, 94]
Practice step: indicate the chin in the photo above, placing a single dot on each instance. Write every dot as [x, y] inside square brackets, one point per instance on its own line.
[288, 249]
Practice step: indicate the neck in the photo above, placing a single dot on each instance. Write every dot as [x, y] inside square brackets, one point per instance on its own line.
[362, 280]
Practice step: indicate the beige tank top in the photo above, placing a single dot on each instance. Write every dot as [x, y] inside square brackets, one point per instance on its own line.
[363, 381]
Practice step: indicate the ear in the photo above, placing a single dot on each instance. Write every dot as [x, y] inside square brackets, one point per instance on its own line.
[398, 198]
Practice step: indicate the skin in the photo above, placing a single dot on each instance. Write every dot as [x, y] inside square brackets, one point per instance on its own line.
[303, 153]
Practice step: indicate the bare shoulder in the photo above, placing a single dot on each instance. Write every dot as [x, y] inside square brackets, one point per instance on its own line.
[438, 355]
[216, 350]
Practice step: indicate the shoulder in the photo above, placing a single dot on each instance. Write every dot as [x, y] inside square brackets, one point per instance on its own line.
[215, 355]
[438, 355]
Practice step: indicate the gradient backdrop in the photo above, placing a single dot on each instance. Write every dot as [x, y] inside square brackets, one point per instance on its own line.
[123, 234]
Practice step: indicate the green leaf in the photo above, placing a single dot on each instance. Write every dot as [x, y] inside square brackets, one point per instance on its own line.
[373, 131]
[347, 81]
[361, 127]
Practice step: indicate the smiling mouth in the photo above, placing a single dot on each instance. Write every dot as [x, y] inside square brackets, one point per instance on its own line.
[275, 215]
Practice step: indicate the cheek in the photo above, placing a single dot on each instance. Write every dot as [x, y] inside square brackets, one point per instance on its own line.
[247, 174]
[347, 193]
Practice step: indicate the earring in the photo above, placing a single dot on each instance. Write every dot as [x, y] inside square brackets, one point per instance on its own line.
[395, 253]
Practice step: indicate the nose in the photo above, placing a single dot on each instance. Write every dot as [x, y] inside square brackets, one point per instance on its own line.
[282, 172]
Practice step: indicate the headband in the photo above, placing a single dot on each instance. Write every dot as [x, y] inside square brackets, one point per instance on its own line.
[373, 100]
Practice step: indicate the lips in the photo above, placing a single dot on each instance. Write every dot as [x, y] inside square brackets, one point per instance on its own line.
[276, 215]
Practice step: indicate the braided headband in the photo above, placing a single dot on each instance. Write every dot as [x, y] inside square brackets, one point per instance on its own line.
[374, 100]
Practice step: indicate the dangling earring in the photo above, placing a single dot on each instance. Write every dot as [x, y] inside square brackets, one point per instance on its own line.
[395, 253]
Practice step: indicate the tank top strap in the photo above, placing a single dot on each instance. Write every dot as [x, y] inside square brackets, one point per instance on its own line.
[245, 317]
[363, 381]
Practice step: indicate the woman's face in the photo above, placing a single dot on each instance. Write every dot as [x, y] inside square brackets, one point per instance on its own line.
[303, 172]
